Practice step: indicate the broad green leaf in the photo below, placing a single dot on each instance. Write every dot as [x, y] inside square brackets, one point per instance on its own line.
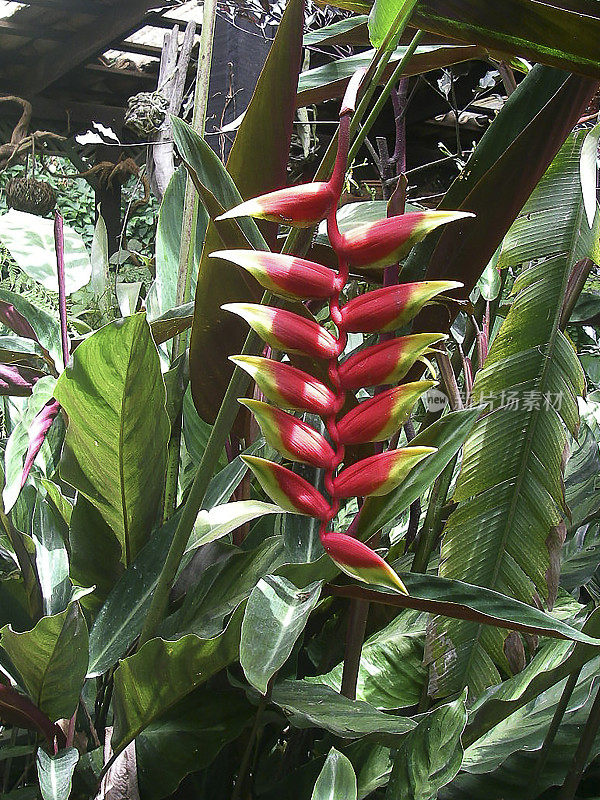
[122, 615]
[447, 434]
[329, 81]
[18, 441]
[55, 773]
[174, 321]
[99, 258]
[561, 35]
[215, 334]
[339, 32]
[336, 780]
[46, 327]
[30, 241]
[553, 662]
[504, 759]
[431, 755]
[387, 15]
[116, 444]
[221, 520]
[316, 706]
[275, 616]
[52, 660]
[510, 486]
[188, 738]
[161, 673]
[95, 552]
[490, 282]
[587, 173]
[391, 673]
[232, 575]
[162, 296]
[48, 532]
[498, 179]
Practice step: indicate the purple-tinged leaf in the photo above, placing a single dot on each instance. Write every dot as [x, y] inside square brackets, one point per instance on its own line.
[17, 710]
[37, 433]
[14, 320]
[17, 380]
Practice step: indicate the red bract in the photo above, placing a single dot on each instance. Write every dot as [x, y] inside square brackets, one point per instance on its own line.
[287, 386]
[379, 418]
[359, 561]
[381, 243]
[379, 474]
[387, 362]
[287, 331]
[285, 276]
[392, 307]
[287, 489]
[301, 206]
[290, 436]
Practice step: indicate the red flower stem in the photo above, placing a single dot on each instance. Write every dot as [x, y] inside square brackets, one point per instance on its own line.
[59, 243]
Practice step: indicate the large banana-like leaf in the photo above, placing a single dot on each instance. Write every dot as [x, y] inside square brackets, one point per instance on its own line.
[510, 488]
[561, 33]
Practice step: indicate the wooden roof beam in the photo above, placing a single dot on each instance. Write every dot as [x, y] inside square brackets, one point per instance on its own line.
[92, 39]
[80, 6]
[26, 30]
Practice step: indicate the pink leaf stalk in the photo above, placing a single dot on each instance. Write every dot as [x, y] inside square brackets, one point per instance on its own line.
[386, 309]
[14, 320]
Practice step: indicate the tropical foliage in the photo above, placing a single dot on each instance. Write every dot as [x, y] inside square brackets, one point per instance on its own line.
[368, 587]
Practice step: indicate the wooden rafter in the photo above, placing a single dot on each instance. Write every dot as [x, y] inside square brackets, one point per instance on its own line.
[116, 22]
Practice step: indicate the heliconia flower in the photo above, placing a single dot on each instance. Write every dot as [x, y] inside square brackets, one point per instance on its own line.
[285, 276]
[379, 474]
[379, 418]
[288, 490]
[387, 362]
[386, 241]
[287, 331]
[391, 307]
[300, 206]
[359, 561]
[37, 433]
[287, 386]
[290, 436]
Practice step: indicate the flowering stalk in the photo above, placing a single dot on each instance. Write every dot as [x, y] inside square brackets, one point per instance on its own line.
[386, 309]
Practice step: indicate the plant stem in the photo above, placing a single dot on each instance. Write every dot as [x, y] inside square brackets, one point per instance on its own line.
[432, 525]
[355, 634]
[554, 726]
[385, 93]
[582, 753]
[59, 243]
[245, 763]
[187, 247]
[216, 441]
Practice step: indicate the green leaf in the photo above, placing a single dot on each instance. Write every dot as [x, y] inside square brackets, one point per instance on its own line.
[216, 334]
[510, 486]
[174, 321]
[95, 552]
[52, 561]
[275, 616]
[116, 444]
[188, 738]
[55, 773]
[30, 241]
[503, 761]
[388, 14]
[431, 755]
[447, 434]
[336, 780]
[329, 81]
[317, 706]
[490, 282]
[141, 691]
[52, 660]
[120, 619]
[162, 296]
[221, 520]
[391, 673]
